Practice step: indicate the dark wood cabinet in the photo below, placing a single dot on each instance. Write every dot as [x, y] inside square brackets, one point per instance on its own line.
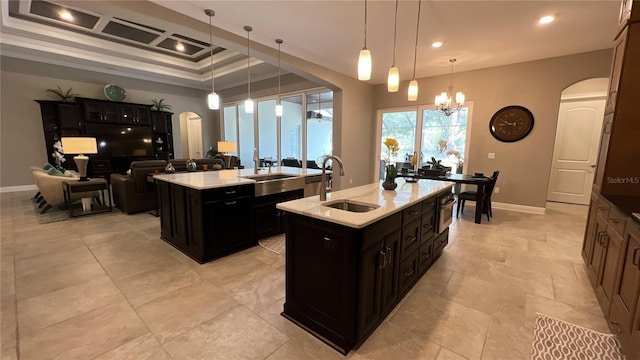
[627, 290]
[100, 111]
[134, 114]
[267, 219]
[161, 125]
[206, 224]
[612, 244]
[335, 271]
[70, 119]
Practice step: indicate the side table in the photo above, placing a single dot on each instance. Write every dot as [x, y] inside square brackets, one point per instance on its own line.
[71, 187]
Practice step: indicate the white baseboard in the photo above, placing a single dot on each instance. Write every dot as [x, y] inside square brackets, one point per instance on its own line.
[520, 208]
[9, 189]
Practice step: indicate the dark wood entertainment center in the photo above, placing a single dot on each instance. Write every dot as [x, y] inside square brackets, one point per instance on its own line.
[86, 117]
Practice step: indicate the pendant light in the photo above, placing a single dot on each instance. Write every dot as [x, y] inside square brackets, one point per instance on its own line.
[248, 104]
[213, 100]
[279, 109]
[364, 60]
[393, 80]
[413, 85]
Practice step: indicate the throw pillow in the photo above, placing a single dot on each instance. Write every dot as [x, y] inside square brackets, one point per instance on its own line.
[71, 174]
[55, 172]
[48, 166]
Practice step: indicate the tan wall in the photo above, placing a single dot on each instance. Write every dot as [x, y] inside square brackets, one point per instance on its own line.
[524, 165]
[21, 134]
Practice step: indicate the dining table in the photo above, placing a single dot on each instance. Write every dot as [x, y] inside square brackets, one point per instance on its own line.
[480, 181]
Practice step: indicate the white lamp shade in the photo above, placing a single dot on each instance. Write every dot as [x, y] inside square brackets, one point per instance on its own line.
[248, 106]
[364, 65]
[437, 100]
[393, 80]
[226, 146]
[459, 98]
[213, 100]
[413, 91]
[279, 110]
[79, 145]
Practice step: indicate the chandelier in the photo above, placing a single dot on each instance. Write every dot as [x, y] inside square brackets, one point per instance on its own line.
[444, 101]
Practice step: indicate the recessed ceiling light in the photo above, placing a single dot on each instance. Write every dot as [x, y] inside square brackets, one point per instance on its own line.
[180, 47]
[437, 44]
[546, 19]
[64, 14]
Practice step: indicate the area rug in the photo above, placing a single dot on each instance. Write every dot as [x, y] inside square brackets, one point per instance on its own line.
[556, 339]
[54, 214]
[275, 244]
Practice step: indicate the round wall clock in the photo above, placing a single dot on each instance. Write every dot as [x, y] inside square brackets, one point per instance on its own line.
[511, 123]
[114, 92]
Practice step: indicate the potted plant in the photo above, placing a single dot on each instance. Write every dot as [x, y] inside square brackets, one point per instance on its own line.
[389, 182]
[66, 96]
[435, 168]
[160, 105]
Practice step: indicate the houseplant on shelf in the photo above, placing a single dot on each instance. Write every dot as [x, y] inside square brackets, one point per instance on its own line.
[391, 172]
[160, 105]
[66, 96]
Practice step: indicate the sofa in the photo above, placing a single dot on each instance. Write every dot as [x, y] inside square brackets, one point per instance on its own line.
[132, 192]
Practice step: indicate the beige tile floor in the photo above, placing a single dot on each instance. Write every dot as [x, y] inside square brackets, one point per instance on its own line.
[106, 287]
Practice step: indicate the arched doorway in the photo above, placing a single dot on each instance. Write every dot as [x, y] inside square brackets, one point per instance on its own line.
[577, 140]
[191, 135]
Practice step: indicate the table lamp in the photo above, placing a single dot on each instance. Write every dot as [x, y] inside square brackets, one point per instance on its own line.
[227, 147]
[80, 146]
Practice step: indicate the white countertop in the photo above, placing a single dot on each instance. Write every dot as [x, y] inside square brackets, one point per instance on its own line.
[202, 180]
[390, 201]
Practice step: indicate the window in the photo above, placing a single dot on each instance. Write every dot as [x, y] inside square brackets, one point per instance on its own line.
[441, 137]
[317, 131]
[319, 126]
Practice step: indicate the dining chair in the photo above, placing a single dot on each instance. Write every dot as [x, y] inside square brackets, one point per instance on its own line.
[291, 162]
[486, 201]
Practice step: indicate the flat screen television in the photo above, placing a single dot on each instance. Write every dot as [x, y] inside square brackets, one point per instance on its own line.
[119, 141]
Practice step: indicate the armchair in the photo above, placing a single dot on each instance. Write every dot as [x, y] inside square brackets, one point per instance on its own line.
[133, 193]
[50, 188]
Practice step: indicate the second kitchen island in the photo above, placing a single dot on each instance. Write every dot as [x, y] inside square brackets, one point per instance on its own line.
[352, 258]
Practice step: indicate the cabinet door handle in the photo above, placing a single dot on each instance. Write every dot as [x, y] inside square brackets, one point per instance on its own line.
[635, 259]
[615, 327]
[413, 212]
[615, 221]
[390, 257]
[229, 203]
[381, 260]
[427, 226]
[410, 239]
[602, 207]
[230, 192]
[408, 273]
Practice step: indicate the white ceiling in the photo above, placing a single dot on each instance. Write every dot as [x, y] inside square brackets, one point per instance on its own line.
[479, 34]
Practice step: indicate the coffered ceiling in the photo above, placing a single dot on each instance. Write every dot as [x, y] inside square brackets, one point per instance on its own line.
[139, 38]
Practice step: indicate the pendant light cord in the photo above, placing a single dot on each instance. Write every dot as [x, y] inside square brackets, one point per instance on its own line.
[451, 81]
[365, 24]
[415, 54]
[395, 31]
[248, 64]
[211, 52]
[279, 43]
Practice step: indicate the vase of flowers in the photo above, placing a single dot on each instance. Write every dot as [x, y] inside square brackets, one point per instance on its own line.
[391, 172]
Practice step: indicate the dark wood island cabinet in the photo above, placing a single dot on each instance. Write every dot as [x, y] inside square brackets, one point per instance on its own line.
[343, 279]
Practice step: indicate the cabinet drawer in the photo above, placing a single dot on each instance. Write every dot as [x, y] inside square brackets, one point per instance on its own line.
[408, 272]
[617, 221]
[411, 213]
[410, 238]
[428, 226]
[429, 205]
[425, 256]
[603, 208]
[228, 192]
[440, 242]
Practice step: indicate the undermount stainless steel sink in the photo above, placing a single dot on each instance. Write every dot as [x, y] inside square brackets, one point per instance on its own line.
[350, 205]
[267, 184]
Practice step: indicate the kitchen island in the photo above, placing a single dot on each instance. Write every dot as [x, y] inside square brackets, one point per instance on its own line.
[210, 214]
[352, 258]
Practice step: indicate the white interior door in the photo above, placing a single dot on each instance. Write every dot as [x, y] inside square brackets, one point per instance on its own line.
[575, 151]
[194, 134]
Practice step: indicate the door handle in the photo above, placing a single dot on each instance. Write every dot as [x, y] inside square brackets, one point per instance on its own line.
[382, 260]
[635, 259]
[389, 253]
[593, 165]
